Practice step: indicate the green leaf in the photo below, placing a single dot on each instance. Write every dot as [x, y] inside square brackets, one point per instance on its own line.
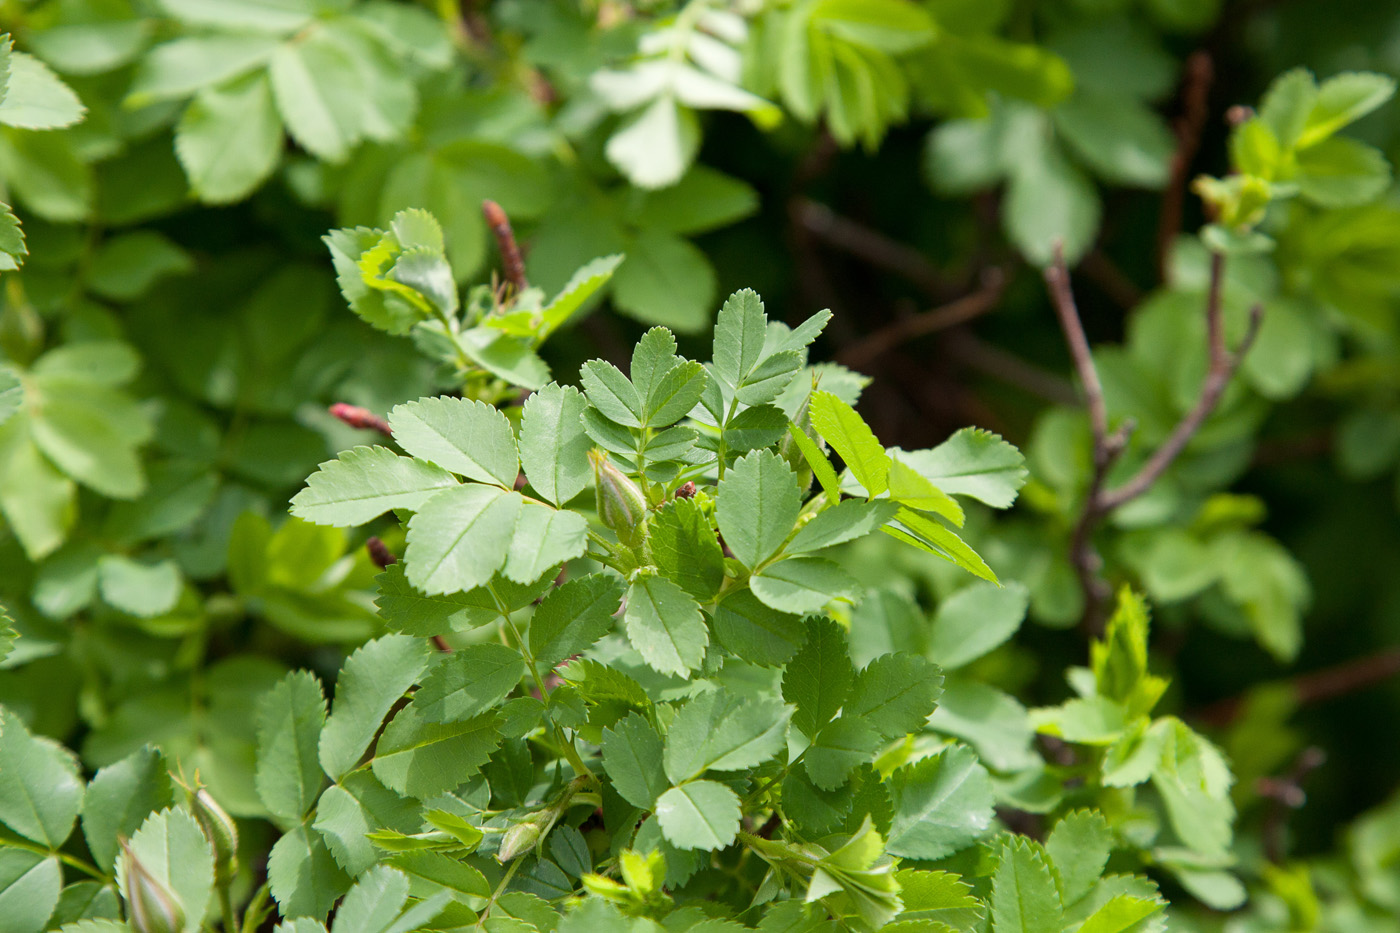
[803, 584]
[573, 617]
[927, 534]
[842, 746]
[741, 330]
[177, 69]
[466, 436]
[543, 539]
[757, 633]
[757, 504]
[818, 680]
[664, 624]
[372, 904]
[723, 731]
[139, 588]
[1344, 99]
[685, 549]
[1120, 915]
[895, 693]
[1194, 781]
[318, 91]
[632, 755]
[348, 812]
[305, 880]
[843, 522]
[991, 721]
[30, 884]
[938, 896]
[442, 869]
[459, 538]
[1079, 847]
[702, 201]
[942, 805]
[553, 447]
[13, 250]
[35, 99]
[290, 718]
[422, 759]
[468, 682]
[1341, 172]
[173, 849]
[910, 488]
[816, 460]
[975, 620]
[666, 280]
[40, 790]
[366, 482]
[119, 799]
[229, 139]
[612, 393]
[582, 285]
[1287, 104]
[86, 445]
[371, 681]
[700, 815]
[1024, 897]
[851, 437]
[1122, 140]
[406, 610]
[1050, 201]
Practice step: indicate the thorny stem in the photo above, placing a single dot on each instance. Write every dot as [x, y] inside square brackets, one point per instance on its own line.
[1100, 499]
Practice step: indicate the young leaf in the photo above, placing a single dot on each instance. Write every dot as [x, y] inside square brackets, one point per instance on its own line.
[699, 815]
[973, 463]
[938, 896]
[373, 903]
[942, 804]
[468, 682]
[740, 331]
[927, 534]
[758, 503]
[573, 617]
[290, 718]
[466, 436]
[851, 437]
[1120, 915]
[459, 538]
[30, 887]
[553, 447]
[372, 680]
[1024, 896]
[40, 790]
[611, 393]
[909, 488]
[632, 754]
[725, 732]
[664, 624]
[305, 880]
[364, 483]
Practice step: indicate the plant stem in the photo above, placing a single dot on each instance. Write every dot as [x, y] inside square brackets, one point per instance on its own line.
[226, 905]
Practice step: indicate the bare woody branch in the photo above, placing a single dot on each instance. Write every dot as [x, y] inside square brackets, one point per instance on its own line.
[958, 311]
[1101, 500]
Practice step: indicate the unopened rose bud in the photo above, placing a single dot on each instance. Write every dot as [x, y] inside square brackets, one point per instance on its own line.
[150, 907]
[522, 837]
[621, 505]
[221, 832]
[362, 418]
[687, 490]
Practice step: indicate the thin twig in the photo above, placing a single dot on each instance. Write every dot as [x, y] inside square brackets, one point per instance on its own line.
[511, 263]
[1318, 686]
[959, 311]
[361, 418]
[871, 245]
[1195, 110]
[1284, 793]
[967, 349]
[1100, 500]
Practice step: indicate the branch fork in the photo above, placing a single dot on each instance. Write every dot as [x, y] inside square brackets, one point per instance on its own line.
[1109, 445]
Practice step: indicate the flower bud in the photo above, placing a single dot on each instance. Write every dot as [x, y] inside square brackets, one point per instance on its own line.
[221, 831]
[523, 836]
[150, 907]
[621, 505]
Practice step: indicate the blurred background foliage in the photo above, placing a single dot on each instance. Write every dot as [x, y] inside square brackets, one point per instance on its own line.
[175, 335]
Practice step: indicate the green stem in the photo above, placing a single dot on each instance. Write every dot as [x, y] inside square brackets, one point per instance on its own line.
[226, 905]
[252, 914]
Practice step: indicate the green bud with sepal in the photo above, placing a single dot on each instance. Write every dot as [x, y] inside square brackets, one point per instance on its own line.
[219, 828]
[621, 504]
[151, 908]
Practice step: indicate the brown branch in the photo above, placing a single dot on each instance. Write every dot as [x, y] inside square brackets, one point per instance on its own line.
[361, 418]
[871, 245]
[959, 311]
[1284, 793]
[1316, 686]
[511, 263]
[1195, 110]
[384, 558]
[1100, 500]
